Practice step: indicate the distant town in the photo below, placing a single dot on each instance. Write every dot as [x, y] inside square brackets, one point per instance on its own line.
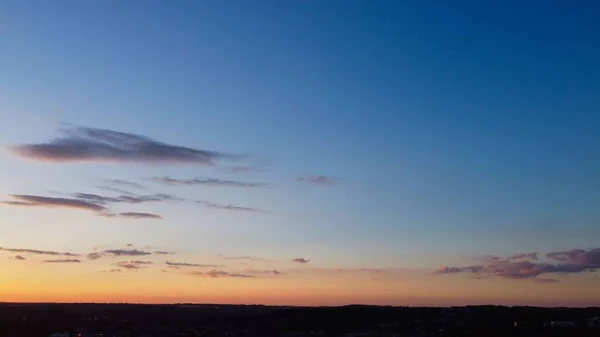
[212, 320]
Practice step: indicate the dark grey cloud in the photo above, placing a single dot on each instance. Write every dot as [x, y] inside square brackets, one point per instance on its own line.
[94, 256]
[137, 215]
[19, 257]
[62, 261]
[40, 201]
[125, 252]
[37, 252]
[230, 207]
[184, 264]
[206, 182]
[219, 273]
[318, 180]
[525, 266]
[82, 144]
[300, 260]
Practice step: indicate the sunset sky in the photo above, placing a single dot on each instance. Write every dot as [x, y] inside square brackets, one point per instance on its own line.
[300, 152]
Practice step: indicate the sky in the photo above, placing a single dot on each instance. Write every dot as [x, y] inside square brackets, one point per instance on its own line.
[422, 153]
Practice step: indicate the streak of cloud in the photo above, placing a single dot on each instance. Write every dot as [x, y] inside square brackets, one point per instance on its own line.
[83, 144]
[184, 264]
[525, 266]
[230, 207]
[265, 272]
[219, 274]
[123, 183]
[318, 180]
[300, 260]
[63, 261]
[19, 257]
[37, 252]
[125, 252]
[247, 258]
[137, 215]
[243, 169]
[206, 182]
[50, 202]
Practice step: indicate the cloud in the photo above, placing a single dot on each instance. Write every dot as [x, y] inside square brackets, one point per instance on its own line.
[589, 257]
[206, 182]
[183, 264]
[525, 266]
[219, 273]
[230, 207]
[99, 199]
[243, 169]
[125, 183]
[265, 272]
[39, 201]
[127, 265]
[162, 252]
[300, 260]
[83, 144]
[114, 189]
[141, 262]
[136, 215]
[62, 261]
[94, 256]
[318, 180]
[124, 252]
[19, 257]
[247, 258]
[37, 252]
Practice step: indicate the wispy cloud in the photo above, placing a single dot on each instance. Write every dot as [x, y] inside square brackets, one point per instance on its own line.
[19, 257]
[184, 264]
[318, 180]
[243, 169]
[40, 201]
[525, 266]
[62, 261]
[37, 252]
[127, 265]
[163, 252]
[83, 144]
[206, 182]
[137, 215]
[230, 207]
[100, 199]
[123, 183]
[115, 189]
[219, 273]
[246, 258]
[265, 272]
[300, 260]
[118, 252]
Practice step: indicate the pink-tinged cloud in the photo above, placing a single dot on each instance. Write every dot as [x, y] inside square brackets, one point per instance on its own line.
[300, 260]
[318, 180]
[82, 144]
[40, 201]
[205, 182]
[37, 252]
[525, 266]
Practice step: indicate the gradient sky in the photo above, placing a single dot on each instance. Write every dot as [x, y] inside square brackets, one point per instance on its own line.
[381, 152]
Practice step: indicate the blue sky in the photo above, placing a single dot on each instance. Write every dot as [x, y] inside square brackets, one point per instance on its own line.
[455, 129]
